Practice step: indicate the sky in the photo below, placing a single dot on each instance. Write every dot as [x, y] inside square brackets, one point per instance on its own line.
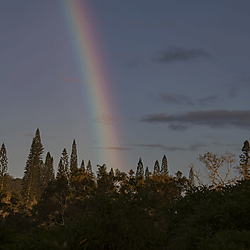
[177, 80]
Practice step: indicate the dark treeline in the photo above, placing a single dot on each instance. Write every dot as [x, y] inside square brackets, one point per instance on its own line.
[77, 209]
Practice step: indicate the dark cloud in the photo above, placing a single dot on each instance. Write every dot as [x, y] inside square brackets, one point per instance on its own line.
[208, 100]
[210, 118]
[176, 99]
[192, 147]
[180, 54]
[242, 80]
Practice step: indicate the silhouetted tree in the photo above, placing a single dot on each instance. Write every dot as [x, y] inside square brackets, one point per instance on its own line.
[164, 166]
[191, 176]
[157, 168]
[3, 167]
[32, 180]
[139, 170]
[73, 162]
[89, 168]
[63, 166]
[48, 173]
[147, 173]
[244, 160]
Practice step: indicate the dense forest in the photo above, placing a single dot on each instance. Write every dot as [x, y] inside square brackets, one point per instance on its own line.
[77, 209]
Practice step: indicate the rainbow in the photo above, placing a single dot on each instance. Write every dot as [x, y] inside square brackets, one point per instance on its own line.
[90, 60]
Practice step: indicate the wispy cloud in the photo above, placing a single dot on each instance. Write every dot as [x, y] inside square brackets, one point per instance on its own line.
[240, 81]
[43, 136]
[210, 118]
[114, 148]
[192, 147]
[151, 25]
[180, 54]
[175, 99]
[208, 100]
[131, 61]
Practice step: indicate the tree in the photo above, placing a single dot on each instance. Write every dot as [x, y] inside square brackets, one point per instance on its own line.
[139, 170]
[213, 163]
[89, 168]
[48, 173]
[191, 176]
[157, 168]
[3, 167]
[63, 165]
[147, 173]
[32, 180]
[244, 160]
[73, 161]
[164, 166]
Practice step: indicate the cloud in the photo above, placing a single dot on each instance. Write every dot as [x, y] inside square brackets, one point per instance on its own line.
[210, 118]
[114, 148]
[192, 147]
[180, 54]
[208, 100]
[242, 80]
[175, 99]
[151, 25]
[131, 61]
[43, 136]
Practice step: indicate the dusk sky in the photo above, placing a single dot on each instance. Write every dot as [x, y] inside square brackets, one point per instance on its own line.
[177, 80]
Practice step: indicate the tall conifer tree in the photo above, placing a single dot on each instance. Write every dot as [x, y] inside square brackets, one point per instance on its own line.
[164, 166]
[157, 168]
[48, 173]
[139, 170]
[73, 161]
[63, 166]
[245, 160]
[32, 180]
[3, 167]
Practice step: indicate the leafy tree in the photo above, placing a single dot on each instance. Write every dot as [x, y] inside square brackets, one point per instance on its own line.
[164, 166]
[73, 162]
[139, 170]
[213, 163]
[245, 160]
[32, 180]
[157, 168]
[3, 167]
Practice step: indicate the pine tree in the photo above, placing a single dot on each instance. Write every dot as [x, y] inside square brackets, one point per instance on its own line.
[73, 161]
[32, 180]
[191, 176]
[164, 166]
[157, 168]
[89, 168]
[48, 174]
[3, 168]
[147, 173]
[245, 160]
[63, 166]
[139, 170]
